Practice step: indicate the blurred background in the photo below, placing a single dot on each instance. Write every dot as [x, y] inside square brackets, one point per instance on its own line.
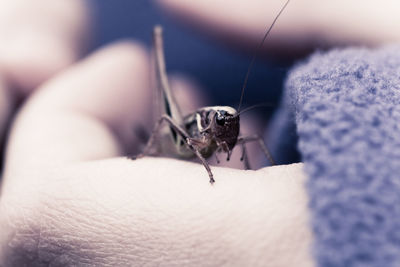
[41, 38]
[218, 69]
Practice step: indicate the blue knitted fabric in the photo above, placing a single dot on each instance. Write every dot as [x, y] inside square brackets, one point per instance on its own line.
[346, 108]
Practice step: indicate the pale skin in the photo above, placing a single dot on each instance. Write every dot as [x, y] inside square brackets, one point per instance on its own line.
[68, 195]
[82, 190]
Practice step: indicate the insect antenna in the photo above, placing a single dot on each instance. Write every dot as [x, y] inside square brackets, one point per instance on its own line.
[256, 106]
[257, 51]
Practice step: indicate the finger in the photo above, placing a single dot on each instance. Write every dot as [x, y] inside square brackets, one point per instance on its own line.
[87, 112]
[39, 38]
[156, 211]
[303, 24]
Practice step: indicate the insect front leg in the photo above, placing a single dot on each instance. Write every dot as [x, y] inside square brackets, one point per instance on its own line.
[216, 158]
[252, 138]
[202, 159]
[225, 147]
[192, 143]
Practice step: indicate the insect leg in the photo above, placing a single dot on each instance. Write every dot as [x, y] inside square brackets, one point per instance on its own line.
[192, 146]
[244, 157]
[155, 131]
[168, 101]
[225, 147]
[216, 157]
[189, 141]
[243, 140]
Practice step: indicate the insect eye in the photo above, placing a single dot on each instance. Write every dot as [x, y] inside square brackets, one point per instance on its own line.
[220, 120]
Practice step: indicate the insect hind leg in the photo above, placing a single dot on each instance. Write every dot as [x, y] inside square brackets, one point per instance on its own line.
[260, 141]
[244, 157]
[156, 130]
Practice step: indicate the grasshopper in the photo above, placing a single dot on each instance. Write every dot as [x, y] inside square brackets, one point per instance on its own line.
[206, 131]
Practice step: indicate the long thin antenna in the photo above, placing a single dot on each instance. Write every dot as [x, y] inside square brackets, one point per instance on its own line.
[256, 54]
[268, 105]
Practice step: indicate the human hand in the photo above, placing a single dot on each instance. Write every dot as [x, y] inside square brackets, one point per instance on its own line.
[38, 39]
[68, 198]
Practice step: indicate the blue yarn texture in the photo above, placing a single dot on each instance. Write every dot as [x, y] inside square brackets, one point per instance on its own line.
[345, 105]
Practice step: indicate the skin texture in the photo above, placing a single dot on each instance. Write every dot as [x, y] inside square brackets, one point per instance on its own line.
[68, 197]
[81, 216]
[76, 202]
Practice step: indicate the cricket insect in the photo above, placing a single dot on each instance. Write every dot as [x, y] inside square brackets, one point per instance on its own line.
[208, 130]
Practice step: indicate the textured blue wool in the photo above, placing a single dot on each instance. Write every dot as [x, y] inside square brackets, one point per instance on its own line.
[345, 105]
